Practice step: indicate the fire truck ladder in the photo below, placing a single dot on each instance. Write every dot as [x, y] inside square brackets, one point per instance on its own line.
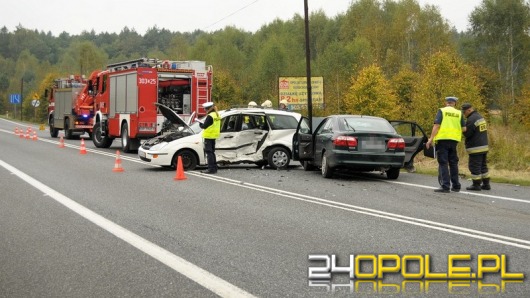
[203, 91]
[142, 62]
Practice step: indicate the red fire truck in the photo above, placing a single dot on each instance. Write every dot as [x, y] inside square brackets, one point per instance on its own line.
[62, 98]
[119, 102]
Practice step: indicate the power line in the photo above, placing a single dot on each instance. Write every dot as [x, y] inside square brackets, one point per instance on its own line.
[226, 17]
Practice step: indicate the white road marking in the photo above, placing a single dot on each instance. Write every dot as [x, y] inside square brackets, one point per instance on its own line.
[479, 194]
[521, 243]
[193, 272]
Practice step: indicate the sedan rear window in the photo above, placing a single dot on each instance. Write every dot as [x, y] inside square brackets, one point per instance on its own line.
[365, 124]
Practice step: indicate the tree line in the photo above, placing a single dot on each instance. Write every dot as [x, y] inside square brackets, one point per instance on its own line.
[394, 59]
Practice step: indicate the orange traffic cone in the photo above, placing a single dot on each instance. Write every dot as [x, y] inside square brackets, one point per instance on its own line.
[16, 131]
[82, 150]
[28, 136]
[180, 170]
[61, 142]
[117, 164]
[35, 138]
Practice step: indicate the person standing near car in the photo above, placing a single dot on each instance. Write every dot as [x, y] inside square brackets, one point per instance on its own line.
[446, 134]
[211, 131]
[476, 135]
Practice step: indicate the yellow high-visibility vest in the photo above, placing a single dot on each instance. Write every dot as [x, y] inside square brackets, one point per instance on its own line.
[213, 131]
[451, 126]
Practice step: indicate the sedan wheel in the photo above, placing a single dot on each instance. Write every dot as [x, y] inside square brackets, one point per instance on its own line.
[392, 173]
[327, 171]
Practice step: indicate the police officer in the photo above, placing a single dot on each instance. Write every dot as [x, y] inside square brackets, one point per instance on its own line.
[446, 134]
[211, 131]
[476, 135]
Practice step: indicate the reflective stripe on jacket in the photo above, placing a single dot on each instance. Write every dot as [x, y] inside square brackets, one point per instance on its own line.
[476, 134]
[451, 126]
[213, 131]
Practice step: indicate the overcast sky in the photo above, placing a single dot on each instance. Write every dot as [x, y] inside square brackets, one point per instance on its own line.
[183, 16]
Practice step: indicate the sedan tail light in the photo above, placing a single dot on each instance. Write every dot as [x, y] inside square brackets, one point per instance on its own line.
[345, 141]
[397, 144]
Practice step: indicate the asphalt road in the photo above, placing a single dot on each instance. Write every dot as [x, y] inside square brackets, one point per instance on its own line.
[71, 227]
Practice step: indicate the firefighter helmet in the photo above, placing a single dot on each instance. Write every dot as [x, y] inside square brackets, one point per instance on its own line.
[267, 104]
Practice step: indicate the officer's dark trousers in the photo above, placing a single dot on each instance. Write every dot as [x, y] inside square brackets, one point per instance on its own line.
[448, 163]
[478, 166]
[209, 149]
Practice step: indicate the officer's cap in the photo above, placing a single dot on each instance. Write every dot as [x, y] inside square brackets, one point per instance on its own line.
[207, 105]
[466, 106]
[451, 99]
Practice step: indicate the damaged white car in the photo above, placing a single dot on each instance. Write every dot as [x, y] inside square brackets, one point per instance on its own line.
[248, 135]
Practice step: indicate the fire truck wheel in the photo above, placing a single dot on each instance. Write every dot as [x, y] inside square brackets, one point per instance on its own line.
[125, 139]
[67, 131]
[100, 140]
[54, 132]
[189, 160]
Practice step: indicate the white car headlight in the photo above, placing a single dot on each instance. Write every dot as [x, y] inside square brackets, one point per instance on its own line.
[159, 146]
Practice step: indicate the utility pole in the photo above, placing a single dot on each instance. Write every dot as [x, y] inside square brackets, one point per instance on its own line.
[308, 68]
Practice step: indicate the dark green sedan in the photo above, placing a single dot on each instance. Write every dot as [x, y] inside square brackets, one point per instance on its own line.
[356, 143]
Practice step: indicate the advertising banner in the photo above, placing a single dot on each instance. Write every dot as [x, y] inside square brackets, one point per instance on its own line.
[294, 90]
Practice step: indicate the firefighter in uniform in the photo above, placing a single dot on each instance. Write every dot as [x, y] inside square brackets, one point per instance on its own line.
[446, 134]
[476, 135]
[267, 104]
[212, 130]
[283, 105]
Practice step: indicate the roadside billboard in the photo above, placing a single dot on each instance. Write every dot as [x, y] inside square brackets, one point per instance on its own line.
[294, 90]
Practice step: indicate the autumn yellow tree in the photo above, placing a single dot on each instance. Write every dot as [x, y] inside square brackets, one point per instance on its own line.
[226, 91]
[405, 84]
[43, 92]
[522, 109]
[444, 74]
[371, 94]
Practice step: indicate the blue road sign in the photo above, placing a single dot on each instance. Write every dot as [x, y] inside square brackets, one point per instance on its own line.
[14, 98]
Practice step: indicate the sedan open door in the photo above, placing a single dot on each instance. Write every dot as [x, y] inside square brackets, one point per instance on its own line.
[414, 136]
[303, 141]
